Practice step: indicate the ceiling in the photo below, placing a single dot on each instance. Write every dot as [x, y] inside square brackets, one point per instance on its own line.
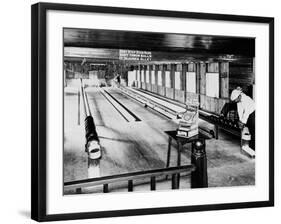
[164, 42]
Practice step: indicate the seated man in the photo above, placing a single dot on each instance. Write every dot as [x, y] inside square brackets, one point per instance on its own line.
[229, 111]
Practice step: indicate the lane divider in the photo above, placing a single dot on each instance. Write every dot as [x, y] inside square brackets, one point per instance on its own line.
[122, 105]
[167, 112]
[123, 112]
[165, 107]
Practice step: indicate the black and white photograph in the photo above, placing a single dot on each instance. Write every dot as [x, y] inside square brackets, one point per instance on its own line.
[144, 111]
[140, 111]
[152, 111]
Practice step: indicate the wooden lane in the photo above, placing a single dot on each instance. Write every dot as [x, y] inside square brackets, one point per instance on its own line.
[145, 114]
[129, 146]
[136, 146]
[102, 110]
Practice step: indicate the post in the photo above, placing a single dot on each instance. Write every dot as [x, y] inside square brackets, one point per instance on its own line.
[169, 151]
[105, 188]
[130, 185]
[175, 181]
[217, 131]
[168, 154]
[199, 177]
[224, 79]
[179, 162]
[78, 106]
[78, 190]
[153, 183]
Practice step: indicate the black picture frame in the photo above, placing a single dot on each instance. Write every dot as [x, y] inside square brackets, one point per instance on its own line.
[39, 108]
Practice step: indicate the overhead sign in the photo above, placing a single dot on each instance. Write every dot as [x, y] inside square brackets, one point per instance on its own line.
[135, 55]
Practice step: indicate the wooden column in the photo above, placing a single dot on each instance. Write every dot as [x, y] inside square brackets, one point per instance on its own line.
[184, 70]
[139, 70]
[197, 71]
[161, 86]
[172, 76]
[155, 68]
[202, 74]
[164, 79]
[179, 93]
[150, 77]
[224, 80]
[202, 85]
[183, 75]
[162, 68]
[139, 80]
[144, 72]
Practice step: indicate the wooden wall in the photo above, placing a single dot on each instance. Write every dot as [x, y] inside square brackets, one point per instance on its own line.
[241, 73]
[230, 75]
[75, 69]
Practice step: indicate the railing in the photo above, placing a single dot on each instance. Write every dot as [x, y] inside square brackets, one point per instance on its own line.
[86, 107]
[197, 170]
[92, 146]
[130, 178]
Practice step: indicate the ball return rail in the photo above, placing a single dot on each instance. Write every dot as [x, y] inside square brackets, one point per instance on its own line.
[92, 145]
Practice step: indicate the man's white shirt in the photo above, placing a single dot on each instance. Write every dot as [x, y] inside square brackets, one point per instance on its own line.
[245, 107]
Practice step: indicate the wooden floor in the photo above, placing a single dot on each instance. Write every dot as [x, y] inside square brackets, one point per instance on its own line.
[141, 145]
